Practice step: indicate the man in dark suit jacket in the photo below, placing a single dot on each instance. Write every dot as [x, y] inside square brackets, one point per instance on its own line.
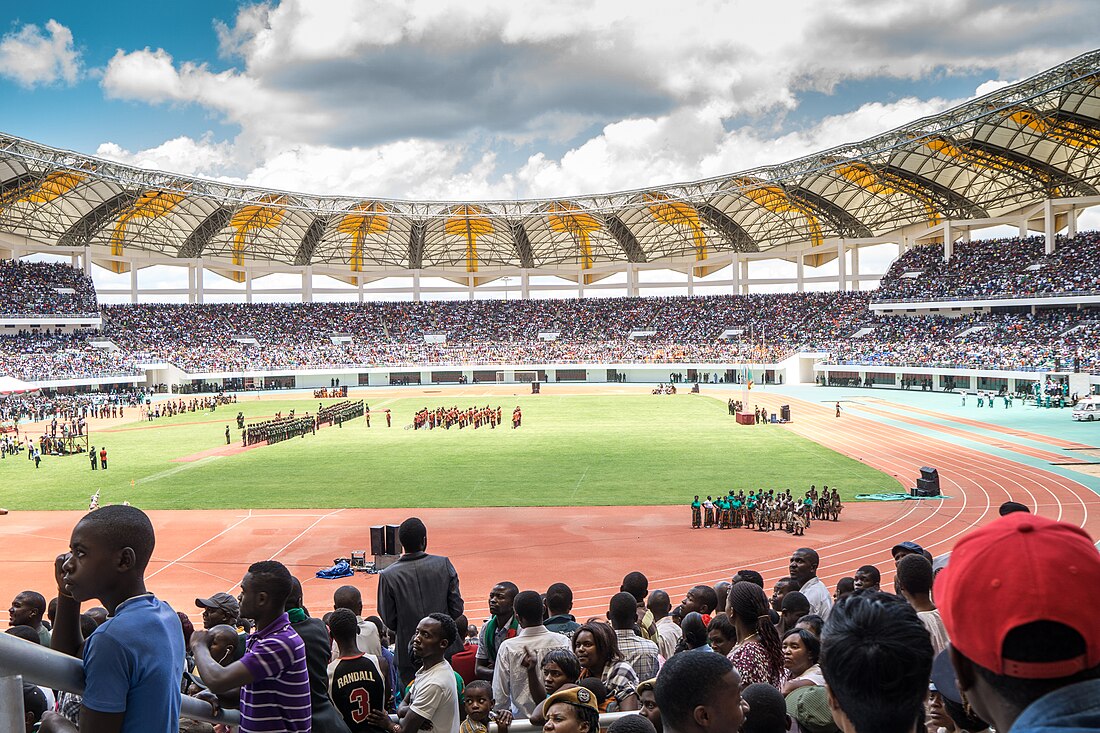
[417, 585]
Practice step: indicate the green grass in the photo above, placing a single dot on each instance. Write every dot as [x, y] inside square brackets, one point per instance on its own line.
[571, 450]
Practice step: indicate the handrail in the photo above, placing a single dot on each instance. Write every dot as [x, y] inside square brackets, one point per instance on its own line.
[46, 667]
[59, 671]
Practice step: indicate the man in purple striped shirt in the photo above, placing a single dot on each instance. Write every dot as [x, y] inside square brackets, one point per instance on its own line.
[273, 682]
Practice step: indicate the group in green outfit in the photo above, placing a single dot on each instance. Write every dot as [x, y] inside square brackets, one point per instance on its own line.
[766, 510]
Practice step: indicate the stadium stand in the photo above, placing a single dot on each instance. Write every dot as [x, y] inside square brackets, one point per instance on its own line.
[45, 288]
[1007, 268]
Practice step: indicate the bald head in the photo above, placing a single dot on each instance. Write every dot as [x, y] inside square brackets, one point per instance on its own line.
[659, 603]
[349, 597]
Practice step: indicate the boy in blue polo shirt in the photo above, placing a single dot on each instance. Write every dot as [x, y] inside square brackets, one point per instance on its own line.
[133, 662]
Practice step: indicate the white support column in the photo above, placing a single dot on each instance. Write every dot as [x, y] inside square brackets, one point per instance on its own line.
[87, 261]
[247, 284]
[691, 281]
[841, 266]
[524, 287]
[631, 280]
[307, 284]
[736, 274]
[200, 281]
[359, 282]
[416, 286]
[1048, 226]
[855, 269]
[469, 287]
[74, 261]
[965, 235]
[948, 242]
[1023, 228]
[580, 284]
[744, 280]
[1071, 222]
[133, 283]
[800, 277]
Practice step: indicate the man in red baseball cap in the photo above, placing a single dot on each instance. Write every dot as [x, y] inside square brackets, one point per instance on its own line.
[1019, 602]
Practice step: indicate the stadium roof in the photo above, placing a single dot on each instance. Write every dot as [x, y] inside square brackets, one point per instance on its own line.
[1035, 140]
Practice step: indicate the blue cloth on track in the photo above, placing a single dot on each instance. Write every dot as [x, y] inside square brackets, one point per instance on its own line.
[340, 570]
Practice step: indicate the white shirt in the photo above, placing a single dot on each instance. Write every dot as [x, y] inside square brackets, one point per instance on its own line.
[936, 630]
[368, 642]
[668, 636]
[510, 687]
[818, 596]
[434, 697]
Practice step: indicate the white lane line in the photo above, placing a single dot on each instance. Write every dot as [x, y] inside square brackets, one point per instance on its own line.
[199, 547]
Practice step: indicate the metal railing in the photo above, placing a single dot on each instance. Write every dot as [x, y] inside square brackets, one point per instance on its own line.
[20, 660]
[45, 667]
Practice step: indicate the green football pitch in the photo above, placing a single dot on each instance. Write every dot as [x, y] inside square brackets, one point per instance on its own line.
[571, 450]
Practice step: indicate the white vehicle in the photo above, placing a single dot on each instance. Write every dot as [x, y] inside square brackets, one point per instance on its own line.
[1087, 409]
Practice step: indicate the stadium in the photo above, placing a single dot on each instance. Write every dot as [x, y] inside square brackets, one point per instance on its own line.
[548, 383]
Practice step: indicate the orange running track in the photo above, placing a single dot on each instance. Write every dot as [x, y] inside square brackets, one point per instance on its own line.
[591, 548]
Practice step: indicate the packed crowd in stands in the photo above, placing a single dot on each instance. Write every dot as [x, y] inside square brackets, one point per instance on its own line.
[1001, 267]
[763, 328]
[40, 288]
[38, 406]
[964, 642]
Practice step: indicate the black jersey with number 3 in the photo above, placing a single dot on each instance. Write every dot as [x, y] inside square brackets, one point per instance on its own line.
[357, 688]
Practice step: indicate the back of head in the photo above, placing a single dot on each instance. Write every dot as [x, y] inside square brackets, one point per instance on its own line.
[34, 701]
[767, 710]
[1041, 576]
[795, 602]
[22, 631]
[685, 682]
[915, 575]
[349, 597]
[622, 611]
[342, 625]
[631, 724]
[119, 526]
[559, 599]
[636, 584]
[694, 630]
[876, 657]
[1010, 507]
[750, 605]
[413, 535]
[294, 600]
[659, 603]
[750, 576]
[271, 577]
[528, 607]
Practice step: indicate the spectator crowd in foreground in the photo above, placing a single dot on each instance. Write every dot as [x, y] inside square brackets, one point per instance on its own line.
[996, 636]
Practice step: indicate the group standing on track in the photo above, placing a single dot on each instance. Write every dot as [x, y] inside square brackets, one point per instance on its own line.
[470, 417]
[766, 510]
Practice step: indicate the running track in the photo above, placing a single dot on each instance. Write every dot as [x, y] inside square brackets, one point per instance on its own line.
[200, 552]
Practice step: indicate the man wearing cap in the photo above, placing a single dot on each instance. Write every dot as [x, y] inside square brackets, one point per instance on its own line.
[809, 706]
[803, 568]
[220, 608]
[1019, 602]
[902, 549]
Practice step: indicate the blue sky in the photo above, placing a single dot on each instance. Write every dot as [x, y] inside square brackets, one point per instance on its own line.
[489, 98]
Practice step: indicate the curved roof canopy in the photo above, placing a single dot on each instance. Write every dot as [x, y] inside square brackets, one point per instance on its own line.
[1034, 140]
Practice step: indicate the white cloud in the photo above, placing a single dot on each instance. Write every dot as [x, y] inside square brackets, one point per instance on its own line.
[493, 98]
[30, 57]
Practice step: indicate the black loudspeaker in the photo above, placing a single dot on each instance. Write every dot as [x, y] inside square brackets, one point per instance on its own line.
[929, 482]
[391, 540]
[378, 540]
[785, 413]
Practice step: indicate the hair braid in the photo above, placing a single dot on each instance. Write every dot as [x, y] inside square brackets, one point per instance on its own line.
[748, 601]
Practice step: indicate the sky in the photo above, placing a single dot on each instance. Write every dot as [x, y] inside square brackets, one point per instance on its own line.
[501, 99]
